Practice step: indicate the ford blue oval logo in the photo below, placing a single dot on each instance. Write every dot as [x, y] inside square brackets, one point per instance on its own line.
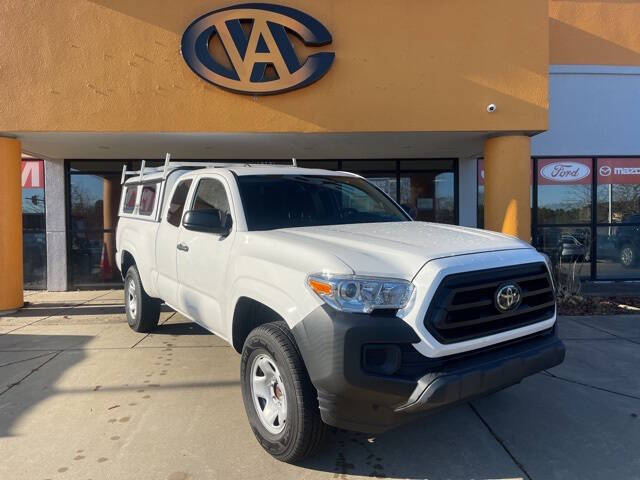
[247, 49]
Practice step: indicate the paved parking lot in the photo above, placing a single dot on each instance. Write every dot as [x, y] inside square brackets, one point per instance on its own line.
[83, 397]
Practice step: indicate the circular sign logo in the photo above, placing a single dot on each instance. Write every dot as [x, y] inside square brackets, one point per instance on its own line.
[508, 297]
[565, 171]
[256, 40]
[605, 170]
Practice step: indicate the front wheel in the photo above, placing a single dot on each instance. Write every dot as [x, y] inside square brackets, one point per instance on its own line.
[628, 256]
[280, 401]
[143, 312]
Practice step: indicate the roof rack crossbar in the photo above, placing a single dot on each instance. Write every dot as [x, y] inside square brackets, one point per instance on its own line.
[144, 162]
[168, 164]
[167, 160]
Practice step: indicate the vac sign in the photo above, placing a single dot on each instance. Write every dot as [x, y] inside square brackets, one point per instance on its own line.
[247, 49]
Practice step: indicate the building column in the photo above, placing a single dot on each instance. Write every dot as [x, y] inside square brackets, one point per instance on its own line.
[55, 214]
[507, 173]
[11, 293]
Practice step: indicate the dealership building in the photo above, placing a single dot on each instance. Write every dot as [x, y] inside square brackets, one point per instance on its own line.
[520, 116]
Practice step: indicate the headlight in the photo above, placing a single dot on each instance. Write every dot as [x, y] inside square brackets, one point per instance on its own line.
[352, 293]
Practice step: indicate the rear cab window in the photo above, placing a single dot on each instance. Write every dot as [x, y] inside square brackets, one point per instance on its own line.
[130, 197]
[147, 200]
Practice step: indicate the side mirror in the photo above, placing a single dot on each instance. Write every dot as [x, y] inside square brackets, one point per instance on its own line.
[208, 221]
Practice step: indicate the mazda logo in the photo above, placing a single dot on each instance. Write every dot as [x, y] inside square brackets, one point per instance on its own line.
[508, 297]
[248, 48]
[605, 170]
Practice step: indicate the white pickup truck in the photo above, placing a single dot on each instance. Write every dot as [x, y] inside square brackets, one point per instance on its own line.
[346, 311]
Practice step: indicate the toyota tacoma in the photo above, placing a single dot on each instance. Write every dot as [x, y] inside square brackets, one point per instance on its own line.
[347, 313]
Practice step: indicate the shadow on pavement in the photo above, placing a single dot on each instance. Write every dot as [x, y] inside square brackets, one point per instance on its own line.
[184, 328]
[22, 373]
[451, 444]
[54, 309]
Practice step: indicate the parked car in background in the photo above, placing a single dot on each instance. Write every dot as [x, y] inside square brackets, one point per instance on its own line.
[571, 249]
[627, 240]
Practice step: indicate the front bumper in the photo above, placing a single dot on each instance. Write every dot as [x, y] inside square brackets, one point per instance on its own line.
[350, 396]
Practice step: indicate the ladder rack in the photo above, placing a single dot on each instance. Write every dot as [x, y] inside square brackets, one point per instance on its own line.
[168, 165]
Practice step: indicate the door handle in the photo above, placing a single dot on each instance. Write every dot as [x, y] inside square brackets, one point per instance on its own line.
[182, 247]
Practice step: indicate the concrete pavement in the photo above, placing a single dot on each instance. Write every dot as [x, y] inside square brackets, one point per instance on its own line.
[84, 397]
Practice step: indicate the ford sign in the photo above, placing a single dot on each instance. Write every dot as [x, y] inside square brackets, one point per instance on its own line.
[247, 49]
[565, 171]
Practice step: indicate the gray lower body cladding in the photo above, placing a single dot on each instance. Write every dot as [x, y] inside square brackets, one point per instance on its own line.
[370, 379]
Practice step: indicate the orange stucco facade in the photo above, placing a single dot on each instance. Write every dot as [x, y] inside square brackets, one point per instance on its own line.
[406, 65]
[587, 32]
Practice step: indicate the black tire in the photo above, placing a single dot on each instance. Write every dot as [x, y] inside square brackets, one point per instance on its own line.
[143, 312]
[628, 256]
[304, 430]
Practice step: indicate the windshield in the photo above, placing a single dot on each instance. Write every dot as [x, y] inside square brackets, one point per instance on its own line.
[282, 201]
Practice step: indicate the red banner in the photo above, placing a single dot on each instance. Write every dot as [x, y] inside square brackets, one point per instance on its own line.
[32, 174]
[561, 171]
[619, 171]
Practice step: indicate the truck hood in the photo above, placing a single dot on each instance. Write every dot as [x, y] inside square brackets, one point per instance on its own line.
[398, 249]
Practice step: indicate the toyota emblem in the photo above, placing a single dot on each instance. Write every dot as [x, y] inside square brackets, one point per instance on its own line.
[508, 297]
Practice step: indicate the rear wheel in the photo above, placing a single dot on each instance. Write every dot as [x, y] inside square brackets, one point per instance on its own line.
[143, 312]
[280, 401]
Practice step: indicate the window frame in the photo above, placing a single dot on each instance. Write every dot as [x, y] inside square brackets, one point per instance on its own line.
[227, 190]
[157, 187]
[187, 199]
[122, 210]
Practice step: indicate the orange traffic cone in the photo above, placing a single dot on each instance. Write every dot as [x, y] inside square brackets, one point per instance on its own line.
[106, 272]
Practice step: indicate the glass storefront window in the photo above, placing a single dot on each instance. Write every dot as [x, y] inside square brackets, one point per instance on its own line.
[88, 210]
[429, 196]
[565, 196]
[388, 185]
[618, 251]
[618, 197]
[426, 188]
[94, 199]
[564, 191]
[34, 242]
[618, 189]
[568, 247]
[91, 264]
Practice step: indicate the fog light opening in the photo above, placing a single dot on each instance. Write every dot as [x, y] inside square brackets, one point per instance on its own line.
[381, 359]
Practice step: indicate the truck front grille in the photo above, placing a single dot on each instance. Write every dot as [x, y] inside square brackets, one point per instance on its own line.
[464, 305]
